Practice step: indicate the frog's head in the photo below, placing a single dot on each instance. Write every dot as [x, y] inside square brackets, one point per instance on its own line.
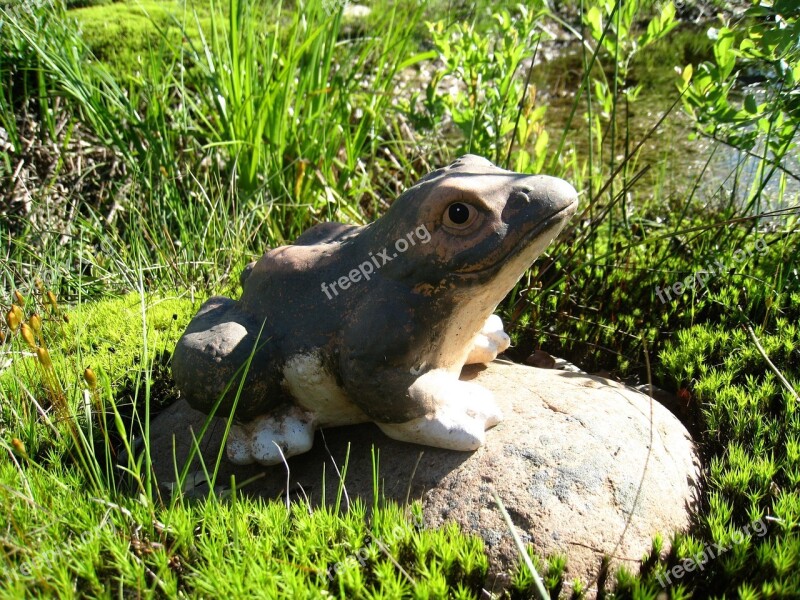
[475, 229]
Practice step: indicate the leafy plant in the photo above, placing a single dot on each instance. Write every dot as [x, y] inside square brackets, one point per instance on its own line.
[493, 107]
[612, 26]
[762, 120]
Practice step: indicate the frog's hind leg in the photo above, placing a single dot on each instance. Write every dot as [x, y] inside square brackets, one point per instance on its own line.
[266, 437]
[213, 355]
[206, 355]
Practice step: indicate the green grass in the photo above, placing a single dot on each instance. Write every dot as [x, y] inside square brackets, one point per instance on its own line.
[154, 157]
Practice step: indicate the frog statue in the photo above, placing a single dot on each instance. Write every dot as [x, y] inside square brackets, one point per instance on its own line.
[374, 323]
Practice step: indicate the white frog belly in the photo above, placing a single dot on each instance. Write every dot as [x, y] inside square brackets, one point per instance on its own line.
[316, 391]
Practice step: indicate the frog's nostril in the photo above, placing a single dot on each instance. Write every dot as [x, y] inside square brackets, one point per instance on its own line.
[521, 196]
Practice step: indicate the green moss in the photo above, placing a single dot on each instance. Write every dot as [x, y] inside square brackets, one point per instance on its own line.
[753, 428]
[125, 34]
[237, 548]
[552, 571]
[107, 336]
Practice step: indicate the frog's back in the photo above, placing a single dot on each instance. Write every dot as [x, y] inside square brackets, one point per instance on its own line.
[284, 286]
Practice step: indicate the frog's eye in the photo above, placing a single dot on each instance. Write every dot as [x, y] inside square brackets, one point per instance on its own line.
[459, 215]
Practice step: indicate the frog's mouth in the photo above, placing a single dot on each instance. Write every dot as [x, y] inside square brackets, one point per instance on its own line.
[536, 240]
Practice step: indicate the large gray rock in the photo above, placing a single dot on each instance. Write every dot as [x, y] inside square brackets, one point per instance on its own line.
[584, 466]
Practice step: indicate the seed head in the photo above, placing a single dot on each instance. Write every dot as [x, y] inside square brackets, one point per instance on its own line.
[36, 323]
[12, 320]
[39, 285]
[44, 357]
[19, 446]
[19, 298]
[51, 298]
[90, 378]
[27, 335]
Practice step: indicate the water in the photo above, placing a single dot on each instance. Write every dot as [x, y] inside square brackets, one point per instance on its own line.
[680, 161]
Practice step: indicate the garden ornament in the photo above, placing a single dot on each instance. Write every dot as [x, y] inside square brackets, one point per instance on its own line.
[374, 323]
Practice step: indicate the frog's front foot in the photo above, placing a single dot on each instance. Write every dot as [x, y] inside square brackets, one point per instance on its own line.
[260, 439]
[462, 413]
[490, 341]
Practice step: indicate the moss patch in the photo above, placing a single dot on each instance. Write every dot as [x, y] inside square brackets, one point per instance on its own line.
[109, 336]
[239, 548]
[125, 34]
[753, 445]
[130, 359]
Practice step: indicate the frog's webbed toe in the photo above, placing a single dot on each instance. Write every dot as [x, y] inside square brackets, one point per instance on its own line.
[463, 411]
[266, 437]
[490, 341]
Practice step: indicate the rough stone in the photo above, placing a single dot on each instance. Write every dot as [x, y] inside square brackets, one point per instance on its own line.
[584, 466]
